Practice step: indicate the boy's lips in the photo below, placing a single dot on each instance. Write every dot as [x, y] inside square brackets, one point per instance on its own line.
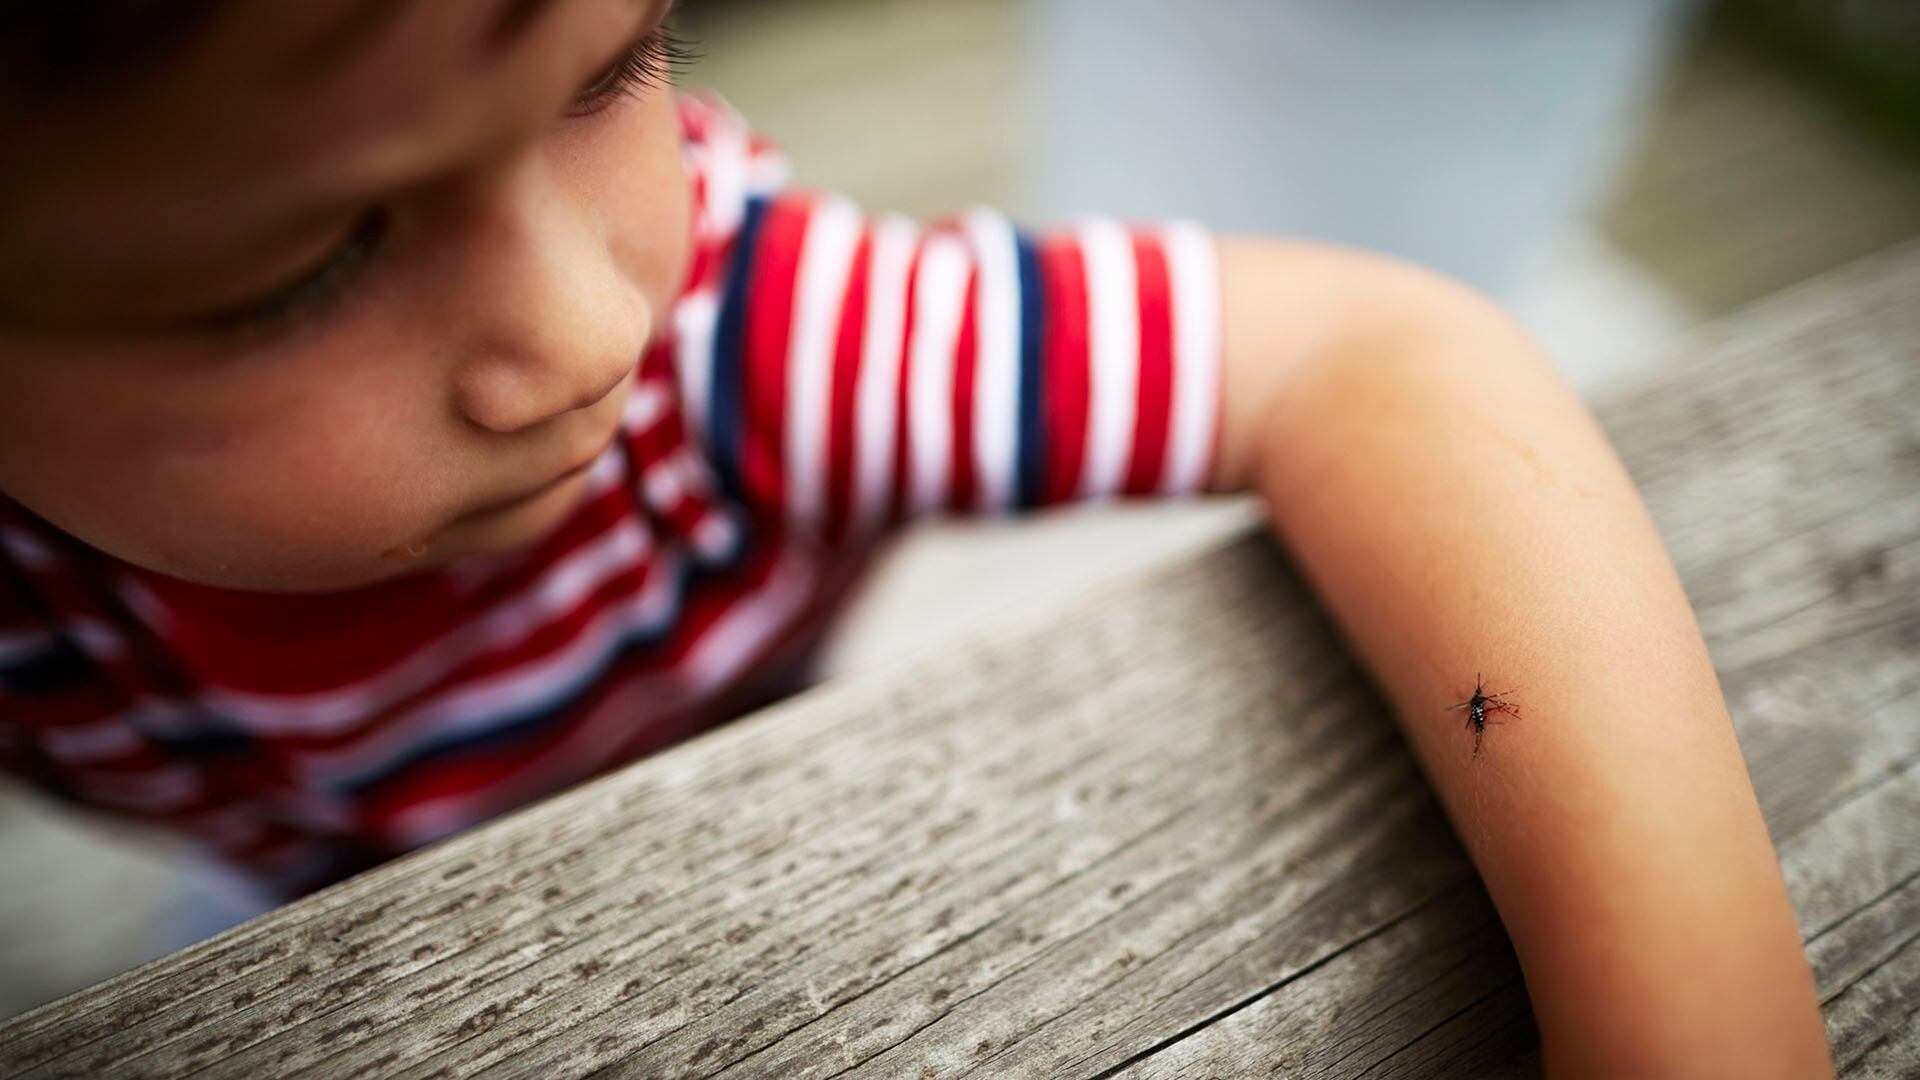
[498, 506]
[511, 501]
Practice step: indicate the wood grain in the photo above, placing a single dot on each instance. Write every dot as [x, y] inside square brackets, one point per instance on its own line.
[1168, 830]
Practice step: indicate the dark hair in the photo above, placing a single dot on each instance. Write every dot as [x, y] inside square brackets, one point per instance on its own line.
[52, 49]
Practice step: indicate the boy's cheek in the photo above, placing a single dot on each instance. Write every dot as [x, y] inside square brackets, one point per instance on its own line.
[271, 487]
[301, 525]
[299, 471]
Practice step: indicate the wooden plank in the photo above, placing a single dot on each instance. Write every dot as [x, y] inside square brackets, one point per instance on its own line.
[1169, 830]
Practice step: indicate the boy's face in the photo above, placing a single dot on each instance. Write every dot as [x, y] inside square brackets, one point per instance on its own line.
[337, 290]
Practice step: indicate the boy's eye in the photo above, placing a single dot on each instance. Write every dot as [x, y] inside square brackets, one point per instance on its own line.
[311, 288]
[650, 62]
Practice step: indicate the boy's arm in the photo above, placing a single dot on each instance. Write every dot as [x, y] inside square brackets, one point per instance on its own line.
[1461, 514]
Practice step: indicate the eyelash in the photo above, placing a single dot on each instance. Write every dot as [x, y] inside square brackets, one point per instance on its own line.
[649, 63]
[312, 290]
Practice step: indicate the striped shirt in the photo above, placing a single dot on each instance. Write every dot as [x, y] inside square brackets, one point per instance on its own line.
[825, 378]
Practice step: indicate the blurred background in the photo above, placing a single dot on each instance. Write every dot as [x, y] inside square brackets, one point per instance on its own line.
[1617, 171]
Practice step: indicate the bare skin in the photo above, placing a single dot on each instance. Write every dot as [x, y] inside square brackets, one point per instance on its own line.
[1616, 829]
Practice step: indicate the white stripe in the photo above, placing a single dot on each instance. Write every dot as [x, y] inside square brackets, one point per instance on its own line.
[877, 392]
[1113, 326]
[556, 593]
[607, 472]
[304, 808]
[673, 479]
[646, 405]
[694, 320]
[168, 718]
[723, 654]
[97, 638]
[767, 173]
[716, 536]
[479, 706]
[26, 549]
[123, 732]
[736, 173]
[145, 605]
[996, 396]
[1195, 275]
[93, 636]
[664, 483]
[939, 300]
[695, 160]
[89, 743]
[826, 260]
[726, 177]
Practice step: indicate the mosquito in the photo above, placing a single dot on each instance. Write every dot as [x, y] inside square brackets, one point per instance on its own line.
[1480, 705]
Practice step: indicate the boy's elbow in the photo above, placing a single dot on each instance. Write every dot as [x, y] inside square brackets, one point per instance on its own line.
[1310, 331]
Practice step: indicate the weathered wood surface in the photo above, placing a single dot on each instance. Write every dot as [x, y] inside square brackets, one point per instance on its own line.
[1168, 831]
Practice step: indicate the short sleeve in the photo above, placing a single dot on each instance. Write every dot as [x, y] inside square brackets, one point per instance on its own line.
[859, 372]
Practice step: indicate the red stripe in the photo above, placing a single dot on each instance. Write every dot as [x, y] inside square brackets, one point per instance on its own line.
[769, 325]
[656, 360]
[487, 778]
[902, 437]
[466, 775]
[537, 642]
[536, 647]
[842, 399]
[1063, 274]
[696, 117]
[965, 361]
[655, 442]
[299, 644]
[274, 644]
[1154, 409]
[73, 706]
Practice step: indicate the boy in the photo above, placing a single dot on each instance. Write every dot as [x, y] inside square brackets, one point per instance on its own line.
[409, 409]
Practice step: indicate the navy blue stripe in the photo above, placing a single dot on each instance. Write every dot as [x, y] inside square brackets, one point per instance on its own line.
[59, 666]
[729, 352]
[208, 742]
[515, 726]
[1031, 452]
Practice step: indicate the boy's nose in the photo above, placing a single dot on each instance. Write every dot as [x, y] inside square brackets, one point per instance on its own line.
[557, 326]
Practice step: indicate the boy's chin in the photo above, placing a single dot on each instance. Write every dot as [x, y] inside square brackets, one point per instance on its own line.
[503, 530]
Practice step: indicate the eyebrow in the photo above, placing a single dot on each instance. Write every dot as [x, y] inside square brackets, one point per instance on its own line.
[370, 18]
[514, 20]
[346, 37]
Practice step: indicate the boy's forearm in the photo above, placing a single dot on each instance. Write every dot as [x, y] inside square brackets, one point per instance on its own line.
[1462, 516]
